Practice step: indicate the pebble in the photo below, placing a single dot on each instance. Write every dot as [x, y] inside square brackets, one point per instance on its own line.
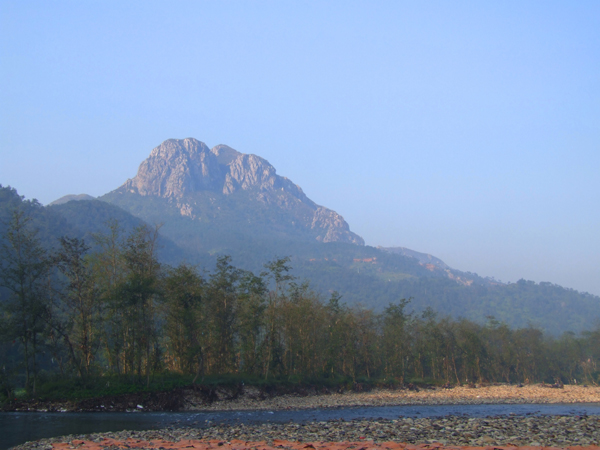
[547, 431]
[555, 431]
[460, 395]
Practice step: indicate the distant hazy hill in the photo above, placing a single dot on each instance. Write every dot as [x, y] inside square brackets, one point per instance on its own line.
[423, 258]
[68, 198]
[440, 268]
[49, 224]
[219, 201]
[88, 217]
[80, 219]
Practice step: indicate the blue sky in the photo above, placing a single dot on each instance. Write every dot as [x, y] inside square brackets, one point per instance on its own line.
[468, 130]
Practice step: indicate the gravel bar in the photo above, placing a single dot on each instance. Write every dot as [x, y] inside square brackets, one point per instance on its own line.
[253, 399]
[507, 431]
[460, 395]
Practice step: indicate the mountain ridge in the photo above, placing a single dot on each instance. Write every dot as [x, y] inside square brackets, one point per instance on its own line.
[71, 197]
[221, 202]
[180, 169]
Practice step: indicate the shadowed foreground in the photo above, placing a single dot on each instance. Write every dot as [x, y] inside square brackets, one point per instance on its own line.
[113, 444]
[456, 432]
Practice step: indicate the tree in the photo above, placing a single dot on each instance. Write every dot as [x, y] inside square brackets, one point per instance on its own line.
[251, 322]
[183, 294]
[277, 271]
[24, 270]
[136, 295]
[303, 331]
[76, 316]
[395, 346]
[221, 296]
[109, 271]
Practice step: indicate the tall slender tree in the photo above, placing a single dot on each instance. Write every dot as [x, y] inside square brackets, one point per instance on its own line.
[221, 296]
[278, 274]
[24, 270]
[395, 339]
[183, 295]
[137, 295]
[77, 313]
[109, 271]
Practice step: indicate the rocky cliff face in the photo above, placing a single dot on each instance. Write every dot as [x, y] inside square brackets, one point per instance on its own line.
[177, 169]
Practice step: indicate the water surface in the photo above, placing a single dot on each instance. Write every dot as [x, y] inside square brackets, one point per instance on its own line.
[17, 428]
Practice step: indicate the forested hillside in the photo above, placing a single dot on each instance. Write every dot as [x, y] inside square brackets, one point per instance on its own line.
[371, 276]
[362, 274]
[221, 202]
[74, 313]
[87, 218]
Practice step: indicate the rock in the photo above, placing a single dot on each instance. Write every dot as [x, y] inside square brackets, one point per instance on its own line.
[178, 168]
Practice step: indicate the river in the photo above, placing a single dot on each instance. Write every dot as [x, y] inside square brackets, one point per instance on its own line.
[18, 427]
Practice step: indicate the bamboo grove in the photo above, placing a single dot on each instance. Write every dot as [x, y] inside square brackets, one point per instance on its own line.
[111, 308]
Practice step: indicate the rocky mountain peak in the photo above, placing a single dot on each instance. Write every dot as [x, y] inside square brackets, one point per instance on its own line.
[178, 168]
[224, 154]
[177, 148]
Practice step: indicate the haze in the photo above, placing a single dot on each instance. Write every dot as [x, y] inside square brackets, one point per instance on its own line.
[468, 130]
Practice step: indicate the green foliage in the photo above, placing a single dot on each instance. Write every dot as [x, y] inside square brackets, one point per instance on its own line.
[88, 218]
[61, 388]
[183, 292]
[75, 318]
[24, 267]
[109, 317]
[252, 232]
[252, 237]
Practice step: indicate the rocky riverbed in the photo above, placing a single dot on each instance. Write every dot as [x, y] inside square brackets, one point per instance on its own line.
[547, 431]
[513, 430]
[252, 399]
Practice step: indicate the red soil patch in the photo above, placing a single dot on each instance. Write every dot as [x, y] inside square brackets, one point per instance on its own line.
[280, 444]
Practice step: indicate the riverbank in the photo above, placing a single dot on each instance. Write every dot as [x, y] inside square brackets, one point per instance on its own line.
[460, 395]
[251, 398]
[506, 431]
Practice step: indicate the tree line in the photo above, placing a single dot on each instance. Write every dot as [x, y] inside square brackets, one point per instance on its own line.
[109, 307]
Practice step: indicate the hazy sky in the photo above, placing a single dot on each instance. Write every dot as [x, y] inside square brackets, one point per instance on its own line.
[468, 130]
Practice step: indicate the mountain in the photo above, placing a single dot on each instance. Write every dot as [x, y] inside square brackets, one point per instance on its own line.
[85, 218]
[440, 268]
[215, 188]
[423, 258]
[68, 198]
[48, 224]
[81, 219]
[219, 201]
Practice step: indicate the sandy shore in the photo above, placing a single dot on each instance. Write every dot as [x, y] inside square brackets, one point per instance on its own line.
[504, 394]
